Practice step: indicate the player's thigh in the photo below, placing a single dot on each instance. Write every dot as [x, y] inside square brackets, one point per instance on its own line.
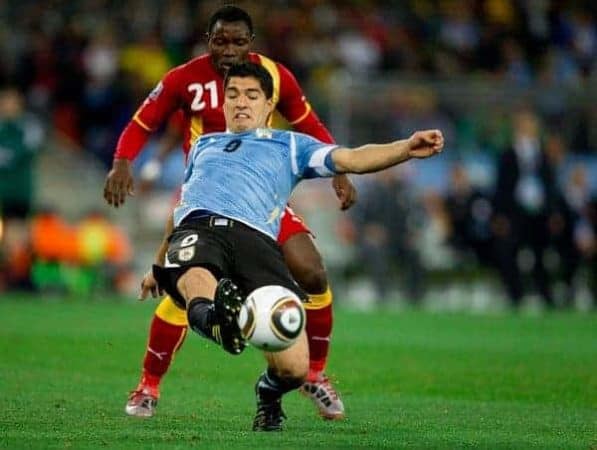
[195, 245]
[291, 224]
[198, 245]
[258, 262]
[305, 263]
[292, 362]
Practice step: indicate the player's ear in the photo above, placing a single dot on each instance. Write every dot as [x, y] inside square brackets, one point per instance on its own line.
[270, 105]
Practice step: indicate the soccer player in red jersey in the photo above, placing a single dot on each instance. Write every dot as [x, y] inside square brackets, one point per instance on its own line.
[195, 90]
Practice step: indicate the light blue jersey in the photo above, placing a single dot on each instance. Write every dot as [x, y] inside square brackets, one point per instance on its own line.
[249, 176]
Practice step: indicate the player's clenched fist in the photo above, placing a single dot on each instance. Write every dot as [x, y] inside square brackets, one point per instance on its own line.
[426, 143]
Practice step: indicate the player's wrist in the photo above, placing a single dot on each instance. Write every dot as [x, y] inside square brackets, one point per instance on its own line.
[404, 147]
[121, 163]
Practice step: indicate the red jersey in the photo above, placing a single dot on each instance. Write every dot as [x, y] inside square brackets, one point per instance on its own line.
[196, 91]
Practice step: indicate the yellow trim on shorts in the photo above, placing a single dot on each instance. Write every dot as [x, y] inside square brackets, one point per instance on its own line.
[171, 313]
[320, 301]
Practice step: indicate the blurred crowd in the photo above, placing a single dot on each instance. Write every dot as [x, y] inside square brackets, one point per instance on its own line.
[534, 226]
[48, 253]
[39, 248]
[86, 64]
[520, 75]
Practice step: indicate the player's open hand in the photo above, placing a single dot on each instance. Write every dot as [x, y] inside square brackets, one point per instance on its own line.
[345, 191]
[149, 285]
[119, 183]
[426, 143]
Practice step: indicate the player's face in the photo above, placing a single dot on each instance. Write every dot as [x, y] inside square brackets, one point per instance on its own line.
[228, 44]
[245, 105]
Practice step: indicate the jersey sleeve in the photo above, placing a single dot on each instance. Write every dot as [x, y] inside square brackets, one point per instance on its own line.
[311, 158]
[295, 108]
[131, 141]
[153, 112]
[160, 103]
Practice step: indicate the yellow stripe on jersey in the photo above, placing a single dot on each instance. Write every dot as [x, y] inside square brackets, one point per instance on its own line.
[196, 128]
[307, 111]
[170, 313]
[272, 68]
[140, 122]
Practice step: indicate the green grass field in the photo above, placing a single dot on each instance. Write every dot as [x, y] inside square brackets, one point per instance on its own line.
[408, 379]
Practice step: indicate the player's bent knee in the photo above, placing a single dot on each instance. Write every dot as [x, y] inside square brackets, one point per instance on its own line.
[313, 280]
[196, 282]
[171, 313]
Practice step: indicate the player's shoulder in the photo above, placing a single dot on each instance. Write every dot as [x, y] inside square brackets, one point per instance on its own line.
[298, 136]
[195, 67]
[269, 63]
[292, 138]
[216, 135]
[272, 133]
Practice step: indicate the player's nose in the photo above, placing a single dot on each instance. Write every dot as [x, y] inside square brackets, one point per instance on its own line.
[230, 52]
[241, 102]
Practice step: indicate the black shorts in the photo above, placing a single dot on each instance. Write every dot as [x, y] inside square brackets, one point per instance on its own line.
[228, 249]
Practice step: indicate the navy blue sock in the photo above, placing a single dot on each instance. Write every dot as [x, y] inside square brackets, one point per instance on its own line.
[270, 387]
[201, 317]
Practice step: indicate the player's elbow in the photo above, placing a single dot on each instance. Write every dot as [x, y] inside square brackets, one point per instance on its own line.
[355, 166]
[348, 161]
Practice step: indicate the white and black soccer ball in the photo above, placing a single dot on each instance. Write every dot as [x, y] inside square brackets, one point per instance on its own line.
[272, 318]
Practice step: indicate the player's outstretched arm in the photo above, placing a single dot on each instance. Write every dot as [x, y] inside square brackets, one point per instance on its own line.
[375, 157]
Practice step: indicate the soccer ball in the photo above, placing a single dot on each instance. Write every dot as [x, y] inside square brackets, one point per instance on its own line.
[272, 318]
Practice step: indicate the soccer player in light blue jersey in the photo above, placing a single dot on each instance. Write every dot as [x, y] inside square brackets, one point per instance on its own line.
[236, 185]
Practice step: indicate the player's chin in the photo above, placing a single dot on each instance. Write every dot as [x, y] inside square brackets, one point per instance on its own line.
[242, 124]
[240, 127]
[224, 66]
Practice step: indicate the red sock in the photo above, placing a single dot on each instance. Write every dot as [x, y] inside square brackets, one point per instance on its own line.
[164, 340]
[319, 328]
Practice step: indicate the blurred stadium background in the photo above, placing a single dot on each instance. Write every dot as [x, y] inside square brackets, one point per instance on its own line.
[430, 233]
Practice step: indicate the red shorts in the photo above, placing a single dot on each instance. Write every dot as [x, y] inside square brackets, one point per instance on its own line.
[290, 225]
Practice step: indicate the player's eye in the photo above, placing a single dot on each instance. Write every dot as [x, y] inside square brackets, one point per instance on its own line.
[240, 42]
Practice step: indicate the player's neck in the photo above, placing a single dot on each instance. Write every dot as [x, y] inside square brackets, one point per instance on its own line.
[258, 130]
